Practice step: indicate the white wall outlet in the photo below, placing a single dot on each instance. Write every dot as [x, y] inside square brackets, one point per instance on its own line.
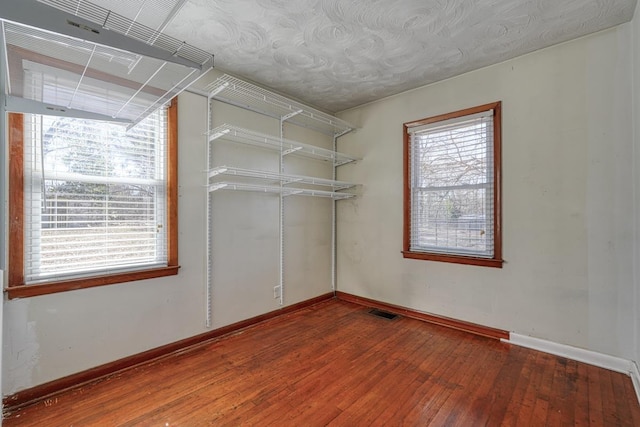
[276, 292]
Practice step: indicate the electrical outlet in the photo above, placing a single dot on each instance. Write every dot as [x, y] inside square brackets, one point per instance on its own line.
[276, 292]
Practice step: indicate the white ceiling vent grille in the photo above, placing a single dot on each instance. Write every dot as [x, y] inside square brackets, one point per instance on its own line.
[76, 58]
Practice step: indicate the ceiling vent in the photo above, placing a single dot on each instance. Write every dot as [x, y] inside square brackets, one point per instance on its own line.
[75, 58]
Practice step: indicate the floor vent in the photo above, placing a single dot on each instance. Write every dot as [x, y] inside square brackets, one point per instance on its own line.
[384, 314]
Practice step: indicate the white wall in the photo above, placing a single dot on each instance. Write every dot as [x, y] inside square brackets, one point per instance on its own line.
[567, 199]
[245, 225]
[51, 336]
[636, 177]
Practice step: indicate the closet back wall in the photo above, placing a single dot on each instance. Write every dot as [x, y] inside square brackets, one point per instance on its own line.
[245, 225]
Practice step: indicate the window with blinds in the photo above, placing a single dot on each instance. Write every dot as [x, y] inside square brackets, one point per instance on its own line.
[94, 197]
[452, 187]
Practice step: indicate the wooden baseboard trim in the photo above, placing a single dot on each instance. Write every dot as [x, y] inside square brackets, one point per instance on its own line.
[46, 390]
[427, 317]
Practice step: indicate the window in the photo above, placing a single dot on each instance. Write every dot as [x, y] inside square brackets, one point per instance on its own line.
[452, 187]
[90, 202]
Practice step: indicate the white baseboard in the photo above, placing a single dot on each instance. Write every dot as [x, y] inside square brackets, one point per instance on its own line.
[635, 378]
[612, 363]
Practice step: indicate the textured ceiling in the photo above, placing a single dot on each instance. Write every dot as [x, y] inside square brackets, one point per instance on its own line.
[337, 54]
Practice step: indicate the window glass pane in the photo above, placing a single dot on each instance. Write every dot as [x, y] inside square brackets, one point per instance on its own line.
[94, 197]
[452, 193]
[451, 221]
[99, 148]
[452, 157]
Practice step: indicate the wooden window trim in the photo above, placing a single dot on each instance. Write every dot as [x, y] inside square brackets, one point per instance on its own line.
[496, 260]
[17, 288]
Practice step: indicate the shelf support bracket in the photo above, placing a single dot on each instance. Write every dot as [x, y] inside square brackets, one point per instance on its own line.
[344, 132]
[290, 115]
[291, 181]
[219, 89]
[214, 187]
[291, 150]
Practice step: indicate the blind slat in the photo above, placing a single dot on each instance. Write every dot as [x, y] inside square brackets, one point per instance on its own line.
[452, 124]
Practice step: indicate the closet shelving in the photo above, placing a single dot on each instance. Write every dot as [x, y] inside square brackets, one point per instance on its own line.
[248, 96]
[284, 191]
[251, 97]
[286, 146]
[284, 179]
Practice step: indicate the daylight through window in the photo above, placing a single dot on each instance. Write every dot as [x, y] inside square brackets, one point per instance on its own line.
[95, 196]
[96, 202]
[452, 186]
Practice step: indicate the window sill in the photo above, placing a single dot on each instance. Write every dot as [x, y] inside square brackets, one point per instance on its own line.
[458, 259]
[25, 291]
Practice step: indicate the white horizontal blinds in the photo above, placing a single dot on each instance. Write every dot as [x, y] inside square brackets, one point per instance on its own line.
[95, 197]
[452, 186]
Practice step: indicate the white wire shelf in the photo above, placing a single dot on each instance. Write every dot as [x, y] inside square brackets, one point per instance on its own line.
[284, 179]
[250, 137]
[285, 191]
[249, 96]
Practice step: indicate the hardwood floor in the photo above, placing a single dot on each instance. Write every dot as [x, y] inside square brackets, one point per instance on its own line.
[336, 364]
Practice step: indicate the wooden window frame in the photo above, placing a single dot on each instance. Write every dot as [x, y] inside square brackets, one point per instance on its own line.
[496, 260]
[16, 284]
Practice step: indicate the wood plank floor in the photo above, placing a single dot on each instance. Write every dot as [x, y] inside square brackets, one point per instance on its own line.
[335, 364]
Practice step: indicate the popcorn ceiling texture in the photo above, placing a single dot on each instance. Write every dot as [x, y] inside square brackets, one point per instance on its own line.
[338, 54]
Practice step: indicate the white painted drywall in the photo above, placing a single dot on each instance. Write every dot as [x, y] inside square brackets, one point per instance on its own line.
[51, 336]
[635, 24]
[245, 225]
[567, 199]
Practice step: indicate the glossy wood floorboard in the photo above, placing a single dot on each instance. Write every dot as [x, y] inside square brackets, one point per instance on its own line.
[335, 364]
